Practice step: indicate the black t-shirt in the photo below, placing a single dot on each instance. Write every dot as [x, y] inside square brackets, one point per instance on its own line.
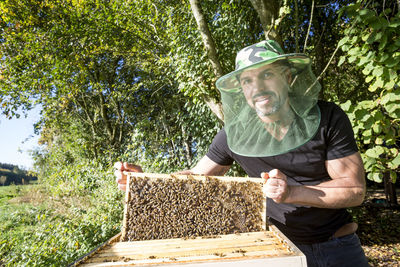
[304, 165]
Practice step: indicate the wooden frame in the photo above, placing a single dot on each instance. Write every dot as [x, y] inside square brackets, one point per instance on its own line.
[256, 249]
[184, 177]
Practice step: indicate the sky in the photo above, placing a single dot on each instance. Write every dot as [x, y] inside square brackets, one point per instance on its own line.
[17, 138]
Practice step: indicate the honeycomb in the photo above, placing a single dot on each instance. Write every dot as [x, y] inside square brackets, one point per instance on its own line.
[188, 208]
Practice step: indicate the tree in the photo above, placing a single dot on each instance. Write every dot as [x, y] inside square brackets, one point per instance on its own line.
[372, 44]
[268, 12]
[211, 51]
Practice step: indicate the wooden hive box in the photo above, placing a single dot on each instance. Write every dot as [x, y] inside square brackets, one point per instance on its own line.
[264, 247]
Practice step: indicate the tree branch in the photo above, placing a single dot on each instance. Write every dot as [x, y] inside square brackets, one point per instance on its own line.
[309, 26]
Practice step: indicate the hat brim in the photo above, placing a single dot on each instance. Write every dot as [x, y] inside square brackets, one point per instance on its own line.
[230, 82]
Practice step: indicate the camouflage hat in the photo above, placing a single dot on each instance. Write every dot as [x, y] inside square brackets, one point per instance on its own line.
[259, 54]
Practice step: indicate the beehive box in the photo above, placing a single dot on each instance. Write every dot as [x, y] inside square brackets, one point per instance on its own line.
[195, 221]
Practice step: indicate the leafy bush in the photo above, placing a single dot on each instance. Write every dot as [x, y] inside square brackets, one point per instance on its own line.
[63, 227]
[372, 43]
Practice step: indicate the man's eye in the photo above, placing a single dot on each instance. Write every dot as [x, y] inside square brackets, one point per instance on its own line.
[245, 81]
[266, 75]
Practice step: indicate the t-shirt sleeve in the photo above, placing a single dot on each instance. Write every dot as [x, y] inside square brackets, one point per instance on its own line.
[219, 151]
[340, 136]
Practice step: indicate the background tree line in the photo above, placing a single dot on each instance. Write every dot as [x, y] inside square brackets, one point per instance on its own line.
[12, 174]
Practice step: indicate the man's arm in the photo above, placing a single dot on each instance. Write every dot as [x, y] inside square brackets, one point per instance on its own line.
[206, 166]
[346, 189]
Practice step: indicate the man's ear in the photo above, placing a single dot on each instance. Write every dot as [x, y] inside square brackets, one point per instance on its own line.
[288, 75]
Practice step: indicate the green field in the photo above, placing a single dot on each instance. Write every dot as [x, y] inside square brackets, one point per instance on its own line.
[38, 229]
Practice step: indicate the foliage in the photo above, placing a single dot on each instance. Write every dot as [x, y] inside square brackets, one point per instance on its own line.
[106, 76]
[320, 44]
[55, 231]
[371, 42]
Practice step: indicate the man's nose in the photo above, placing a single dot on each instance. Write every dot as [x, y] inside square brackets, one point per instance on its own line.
[258, 85]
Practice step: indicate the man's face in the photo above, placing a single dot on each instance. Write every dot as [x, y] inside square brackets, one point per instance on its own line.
[266, 88]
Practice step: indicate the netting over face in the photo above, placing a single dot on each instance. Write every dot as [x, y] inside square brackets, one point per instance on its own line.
[270, 107]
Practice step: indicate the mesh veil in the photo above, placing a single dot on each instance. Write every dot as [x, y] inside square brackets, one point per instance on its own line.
[248, 134]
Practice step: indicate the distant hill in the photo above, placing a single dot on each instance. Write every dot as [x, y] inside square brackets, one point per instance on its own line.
[12, 174]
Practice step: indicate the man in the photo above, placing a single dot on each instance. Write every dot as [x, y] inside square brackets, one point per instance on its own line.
[303, 148]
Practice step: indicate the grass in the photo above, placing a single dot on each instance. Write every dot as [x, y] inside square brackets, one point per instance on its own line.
[38, 229]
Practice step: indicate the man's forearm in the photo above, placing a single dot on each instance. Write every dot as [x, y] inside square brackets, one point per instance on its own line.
[339, 193]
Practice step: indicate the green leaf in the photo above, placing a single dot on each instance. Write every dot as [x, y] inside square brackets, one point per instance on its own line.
[367, 133]
[394, 23]
[366, 14]
[341, 60]
[383, 57]
[393, 176]
[392, 62]
[352, 59]
[369, 78]
[378, 71]
[346, 47]
[346, 105]
[354, 51]
[377, 128]
[363, 61]
[390, 97]
[379, 23]
[377, 84]
[367, 104]
[390, 84]
[383, 42]
[368, 162]
[371, 38]
[375, 152]
[365, 37]
[365, 118]
[378, 141]
[375, 176]
[392, 107]
[343, 41]
[395, 163]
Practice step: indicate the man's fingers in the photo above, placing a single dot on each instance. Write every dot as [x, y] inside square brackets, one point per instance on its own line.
[275, 173]
[131, 167]
[275, 182]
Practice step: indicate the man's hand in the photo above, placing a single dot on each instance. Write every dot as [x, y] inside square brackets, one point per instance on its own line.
[119, 172]
[275, 185]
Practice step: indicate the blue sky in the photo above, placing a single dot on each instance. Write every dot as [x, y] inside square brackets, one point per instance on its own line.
[17, 138]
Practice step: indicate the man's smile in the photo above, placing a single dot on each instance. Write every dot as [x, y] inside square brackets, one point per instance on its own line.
[262, 98]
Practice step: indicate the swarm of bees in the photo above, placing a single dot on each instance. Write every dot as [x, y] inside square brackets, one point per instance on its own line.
[188, 208]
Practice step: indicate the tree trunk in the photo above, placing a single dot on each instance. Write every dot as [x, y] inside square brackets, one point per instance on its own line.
[211, 50]
[268, 12]
[390, 190]
[188, 150]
